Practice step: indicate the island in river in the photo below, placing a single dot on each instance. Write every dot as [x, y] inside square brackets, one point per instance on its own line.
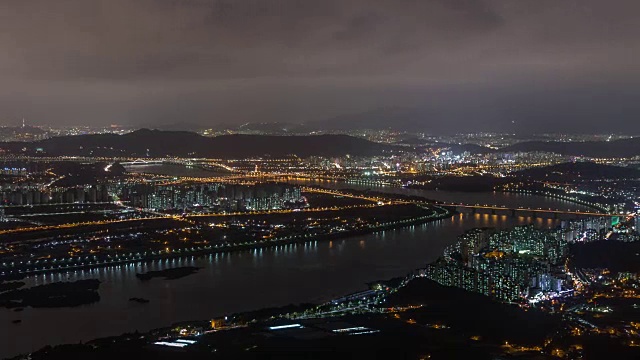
[59, 294]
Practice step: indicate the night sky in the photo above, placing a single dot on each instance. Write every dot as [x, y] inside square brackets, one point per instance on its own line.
[452, 65]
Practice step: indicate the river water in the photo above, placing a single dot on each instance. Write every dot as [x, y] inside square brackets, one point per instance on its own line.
[176, 170]
[234, 282]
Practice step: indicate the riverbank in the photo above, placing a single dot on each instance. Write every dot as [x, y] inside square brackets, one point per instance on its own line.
[227, 283]
[539, 193]
[439, 213]
[235, 334]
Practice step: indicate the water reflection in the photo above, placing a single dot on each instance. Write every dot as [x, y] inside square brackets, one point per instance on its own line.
[232, 282]
[176, 170]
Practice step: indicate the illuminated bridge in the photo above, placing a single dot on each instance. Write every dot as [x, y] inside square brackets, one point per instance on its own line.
[474, 209]
[143, 162]
[503, 210]
[185, 162]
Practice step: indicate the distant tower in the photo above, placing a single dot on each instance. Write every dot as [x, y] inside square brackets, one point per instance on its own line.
[23, 123]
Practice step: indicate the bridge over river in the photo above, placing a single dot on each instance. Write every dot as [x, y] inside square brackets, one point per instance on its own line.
[477, 208]
[533, 212]
[206, 164]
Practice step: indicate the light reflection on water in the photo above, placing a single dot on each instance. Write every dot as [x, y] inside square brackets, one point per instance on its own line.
[176, 170]
[232, 282]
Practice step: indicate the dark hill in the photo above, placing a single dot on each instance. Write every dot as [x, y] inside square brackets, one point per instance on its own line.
[156, 143]
[321, 145]
[134, 143]
[601, 149]
[473, 313]
[579, 171]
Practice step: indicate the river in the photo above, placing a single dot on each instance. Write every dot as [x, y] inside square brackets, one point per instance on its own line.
[234, 282]
[176, 170]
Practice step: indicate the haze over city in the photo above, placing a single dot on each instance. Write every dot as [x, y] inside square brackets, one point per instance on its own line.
[440, 65]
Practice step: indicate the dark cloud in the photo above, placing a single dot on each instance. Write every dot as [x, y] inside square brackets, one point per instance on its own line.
[208, 61]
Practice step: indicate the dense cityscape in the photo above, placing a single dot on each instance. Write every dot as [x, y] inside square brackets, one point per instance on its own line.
[63, 214]
[284, 179]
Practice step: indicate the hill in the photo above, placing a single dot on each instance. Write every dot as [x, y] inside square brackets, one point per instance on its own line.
[579, 171]
[473, 313]
[600, 149]
[156, 143]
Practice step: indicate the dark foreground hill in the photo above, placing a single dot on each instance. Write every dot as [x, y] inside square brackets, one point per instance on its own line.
[155, 143]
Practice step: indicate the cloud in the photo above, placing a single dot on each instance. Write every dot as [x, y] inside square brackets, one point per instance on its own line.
[119, 39]
[247, 59]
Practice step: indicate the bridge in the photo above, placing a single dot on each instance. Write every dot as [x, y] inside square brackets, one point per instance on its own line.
[497, 210]
[205, 164]
[143, 162]
[460, 207]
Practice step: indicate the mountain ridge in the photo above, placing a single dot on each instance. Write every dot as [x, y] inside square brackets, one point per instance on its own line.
[157, 143]
[580, 170]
